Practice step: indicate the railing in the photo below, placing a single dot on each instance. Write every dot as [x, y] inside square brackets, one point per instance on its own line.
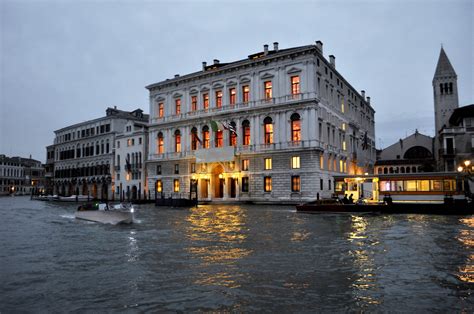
[447, 151]
[251, 104]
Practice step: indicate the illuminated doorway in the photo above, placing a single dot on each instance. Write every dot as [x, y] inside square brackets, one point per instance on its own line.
[218, 181]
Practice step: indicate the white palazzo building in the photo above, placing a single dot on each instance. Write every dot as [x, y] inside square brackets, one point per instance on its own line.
[297, 122]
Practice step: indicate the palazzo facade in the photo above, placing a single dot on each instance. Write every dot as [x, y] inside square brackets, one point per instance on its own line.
[84, 154]
[271, 128]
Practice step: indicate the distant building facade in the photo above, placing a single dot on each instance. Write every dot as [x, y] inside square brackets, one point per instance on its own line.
[274, 127]
[20, 176]
[453, 125]
[85, 153]
[131, 150]
[456, 139]
[49, 171]
[409, 155]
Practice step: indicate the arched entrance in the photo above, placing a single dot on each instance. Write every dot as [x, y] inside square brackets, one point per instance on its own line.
[105, 189]
[94, 190]
[218, 181]
[85, 190]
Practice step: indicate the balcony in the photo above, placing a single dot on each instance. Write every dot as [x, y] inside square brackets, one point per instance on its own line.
[236, 107]
[445, 152]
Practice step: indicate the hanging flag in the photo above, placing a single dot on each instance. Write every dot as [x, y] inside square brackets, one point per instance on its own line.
[214, 126]
[196, 137]
[128, 166]
[230, 127]
[365, 142]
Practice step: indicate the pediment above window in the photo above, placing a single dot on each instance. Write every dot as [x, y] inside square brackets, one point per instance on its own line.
[293, 70]
[231, 83]
[193, 91]
[160, 98]
[266, 76]
[217, 85]
[177, 95]
[204, 89]
[244, 79]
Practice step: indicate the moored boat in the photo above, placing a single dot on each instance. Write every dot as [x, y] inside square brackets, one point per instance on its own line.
[106, 213]
[443, 193]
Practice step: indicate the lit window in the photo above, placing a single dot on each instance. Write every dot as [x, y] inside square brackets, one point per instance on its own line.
[268, 89]
[246, 93]
[344, 145]
[342, 106]
[246, 132]
[341, 165]
[176, 185]
[178, 105]
[321, 161]
[160, 143]
[295, 85]
[268, 130]
[233, 135]
[177, 141]
[205, 137]
[267, 184]
[218, 99]
[159, 186]
[127, 176]
[194, 103]
[245, 164]
[295, 127]
[205, 101]
[295, 162]
[268, 163]
[219, 138]
[232, 96]
[295, 183]
[343, 126]
[160, 110]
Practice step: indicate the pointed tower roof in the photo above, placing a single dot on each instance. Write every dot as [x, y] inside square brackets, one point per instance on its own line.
[444, 67]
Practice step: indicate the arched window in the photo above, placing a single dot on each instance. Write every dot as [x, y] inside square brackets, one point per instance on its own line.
[219, 138]
[385, 170]
[417, 152]
[177, 141]
[205, 136]
[107, 147]
[408, 170]
[295, 127]
[413, 169]
[390, 169]
[194, 139]
[402, 169]
[160, 144]
[232, 134]
[268, 130]
[246, 132]
[379, 171]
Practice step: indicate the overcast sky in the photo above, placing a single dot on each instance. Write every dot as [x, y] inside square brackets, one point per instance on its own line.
[65, 62]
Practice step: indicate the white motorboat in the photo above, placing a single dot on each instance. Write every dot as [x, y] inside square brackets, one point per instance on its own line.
[106, 213]
[74, 198]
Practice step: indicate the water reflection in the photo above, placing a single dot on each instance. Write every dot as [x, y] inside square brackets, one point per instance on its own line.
[466, 237]
[366, 282]
[217, 235]
[132, 254]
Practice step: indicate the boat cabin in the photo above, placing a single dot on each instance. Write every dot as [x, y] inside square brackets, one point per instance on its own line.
[413, 187]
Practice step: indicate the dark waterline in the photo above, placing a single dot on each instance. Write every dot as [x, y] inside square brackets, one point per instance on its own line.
[237, 258]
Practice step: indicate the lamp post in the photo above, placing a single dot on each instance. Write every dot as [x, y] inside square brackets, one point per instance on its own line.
[465, 168]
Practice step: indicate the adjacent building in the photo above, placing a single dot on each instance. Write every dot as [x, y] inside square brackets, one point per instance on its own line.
[84, 154]
[21, 176]
[130, 155]
[453, 125]
[409, 155]
[273, 127]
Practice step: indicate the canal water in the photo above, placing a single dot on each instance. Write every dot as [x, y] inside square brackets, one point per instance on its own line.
[232, 258]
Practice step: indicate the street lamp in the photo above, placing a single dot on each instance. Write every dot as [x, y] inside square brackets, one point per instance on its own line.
[465, 168]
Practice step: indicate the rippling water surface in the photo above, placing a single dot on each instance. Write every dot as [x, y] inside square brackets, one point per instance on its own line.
[232, 258]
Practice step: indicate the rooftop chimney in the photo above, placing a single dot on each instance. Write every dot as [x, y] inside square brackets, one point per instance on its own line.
[368, 100]
[216, 61]
[332, 61]
[176, 75]
[319, 45]
[265, 50]
[204, 64]
[362, 92]
[275, 46]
